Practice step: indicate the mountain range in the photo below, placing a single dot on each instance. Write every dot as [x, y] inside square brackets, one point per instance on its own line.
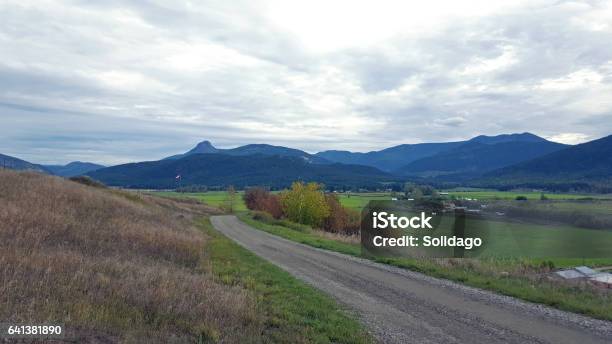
[75, 168]
[13, 163]
[214, 169]
[474, 159]
[72, 169]
[589, 162]
[205, 147]
[397, 159]
[448, 162]
[510, 160]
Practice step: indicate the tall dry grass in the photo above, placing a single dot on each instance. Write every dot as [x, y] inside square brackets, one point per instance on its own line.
[112, 266]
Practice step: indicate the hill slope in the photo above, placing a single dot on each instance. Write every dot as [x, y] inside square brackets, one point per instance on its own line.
[587, 162]
[110, 266]
[240, 171]
[475, 158]
[13, 163]
[75, 168]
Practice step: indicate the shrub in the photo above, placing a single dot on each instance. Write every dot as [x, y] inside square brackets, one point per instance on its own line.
[85, 180]
[340, 220]
[262, 200]
[338, 216]
[305, 203]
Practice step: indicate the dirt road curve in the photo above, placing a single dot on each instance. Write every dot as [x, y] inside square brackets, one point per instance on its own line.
[400, 306]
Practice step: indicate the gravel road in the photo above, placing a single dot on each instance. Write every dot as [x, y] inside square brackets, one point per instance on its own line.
[400, 306]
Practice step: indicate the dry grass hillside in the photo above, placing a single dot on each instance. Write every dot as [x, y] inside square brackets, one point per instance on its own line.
[110, 265]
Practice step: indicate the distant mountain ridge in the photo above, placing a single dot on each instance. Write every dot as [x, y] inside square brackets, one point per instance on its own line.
[587, 162]
[13, 163]
[504, 161]
[205, 147]
[522, 137]
[395, 159]
[75, 168]
[273, 165]
[388, 159]
[475, 158]
[239, 170]
[72, 169]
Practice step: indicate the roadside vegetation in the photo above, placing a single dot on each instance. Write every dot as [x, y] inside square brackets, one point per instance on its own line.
[306, 204]
[212, 198]
[118, 266]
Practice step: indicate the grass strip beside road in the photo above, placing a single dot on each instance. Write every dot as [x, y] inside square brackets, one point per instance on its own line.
[520, 278]
[306, 236]
[293, 312]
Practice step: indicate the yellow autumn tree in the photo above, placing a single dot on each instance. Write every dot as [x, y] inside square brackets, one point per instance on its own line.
[305, 203]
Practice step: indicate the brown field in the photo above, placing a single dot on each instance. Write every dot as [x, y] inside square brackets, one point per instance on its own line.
[111, 265]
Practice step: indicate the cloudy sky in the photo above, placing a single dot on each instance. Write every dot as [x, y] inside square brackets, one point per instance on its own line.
[118, 81]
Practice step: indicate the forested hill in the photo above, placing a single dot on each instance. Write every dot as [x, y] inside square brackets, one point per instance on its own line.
[13, 163]
[586, 163]
[240, 171]
[475, 158]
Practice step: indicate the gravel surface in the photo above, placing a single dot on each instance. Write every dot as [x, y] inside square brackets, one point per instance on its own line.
[401, 306]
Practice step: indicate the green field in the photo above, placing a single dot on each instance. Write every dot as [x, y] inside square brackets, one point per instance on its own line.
[213, 198]
[217, 198]
[508, 195]
[359, 200]
[508, 239]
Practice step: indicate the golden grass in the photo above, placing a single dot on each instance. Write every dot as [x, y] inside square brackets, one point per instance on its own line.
[111, 264]
[348, 239]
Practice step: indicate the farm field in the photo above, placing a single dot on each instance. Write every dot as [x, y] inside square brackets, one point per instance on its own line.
[216, 198]
[515, 239]
[602, 207]
[359, 200]
[532, 195]
[213, 198]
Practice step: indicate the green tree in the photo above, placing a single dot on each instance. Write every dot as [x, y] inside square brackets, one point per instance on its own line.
[305, 203]
[230, 200]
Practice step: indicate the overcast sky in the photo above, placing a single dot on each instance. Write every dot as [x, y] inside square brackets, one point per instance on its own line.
[122, 81]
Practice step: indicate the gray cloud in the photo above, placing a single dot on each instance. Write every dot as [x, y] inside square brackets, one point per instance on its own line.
[119, 81]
